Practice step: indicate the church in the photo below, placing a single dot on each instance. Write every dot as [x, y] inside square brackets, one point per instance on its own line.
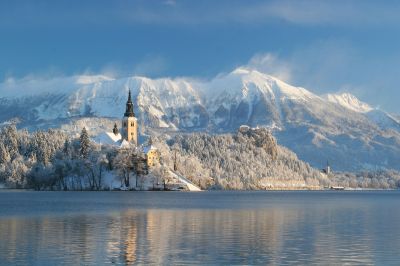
[127, 136]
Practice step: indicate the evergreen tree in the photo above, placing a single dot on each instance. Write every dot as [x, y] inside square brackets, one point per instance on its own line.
[84, 143]
[42, 147]
[4, 154]
[67, 148]
[10, 140]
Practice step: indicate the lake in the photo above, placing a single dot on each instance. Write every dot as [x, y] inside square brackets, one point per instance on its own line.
[204, 228]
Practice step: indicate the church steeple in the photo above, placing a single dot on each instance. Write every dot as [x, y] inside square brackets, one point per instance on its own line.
[129, 123]
[129, 107]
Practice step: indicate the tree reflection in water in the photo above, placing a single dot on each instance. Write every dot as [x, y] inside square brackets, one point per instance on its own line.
[322, 233]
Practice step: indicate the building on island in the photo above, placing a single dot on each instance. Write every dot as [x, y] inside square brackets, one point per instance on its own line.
[129, 123]
[146, 158]
[127, 136]
[151, 153]
[327, 169]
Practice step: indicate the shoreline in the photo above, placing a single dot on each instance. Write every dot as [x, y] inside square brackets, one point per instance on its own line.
[3, 189]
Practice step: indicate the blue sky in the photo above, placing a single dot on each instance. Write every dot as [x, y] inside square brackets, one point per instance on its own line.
[325, 46]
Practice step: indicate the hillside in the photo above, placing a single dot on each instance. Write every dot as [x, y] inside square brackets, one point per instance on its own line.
[251, 159]
[339, 128]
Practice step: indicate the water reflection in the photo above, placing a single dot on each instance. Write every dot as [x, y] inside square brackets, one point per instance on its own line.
[327, 234]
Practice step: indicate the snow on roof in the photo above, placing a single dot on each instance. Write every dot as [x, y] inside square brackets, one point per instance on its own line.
[109, 138]
[149, 148]
[124, 144]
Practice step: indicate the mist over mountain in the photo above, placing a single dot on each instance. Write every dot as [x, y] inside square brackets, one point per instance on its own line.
[336, 127]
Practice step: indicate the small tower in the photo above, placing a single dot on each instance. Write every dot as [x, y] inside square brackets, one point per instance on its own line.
[328, 168]
[115, 129]
[129, 123]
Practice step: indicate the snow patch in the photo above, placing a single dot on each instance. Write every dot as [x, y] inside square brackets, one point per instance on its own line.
[348, 101]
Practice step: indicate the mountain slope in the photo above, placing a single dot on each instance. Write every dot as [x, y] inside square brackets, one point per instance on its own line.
[339, 128]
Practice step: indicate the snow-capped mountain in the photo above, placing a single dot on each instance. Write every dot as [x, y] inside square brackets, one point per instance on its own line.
[335, 127]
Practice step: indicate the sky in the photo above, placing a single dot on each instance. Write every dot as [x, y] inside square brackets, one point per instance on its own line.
[324, 46]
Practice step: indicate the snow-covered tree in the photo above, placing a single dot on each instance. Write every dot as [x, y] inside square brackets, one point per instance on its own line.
[250, 159]
[84, 143]
[124, 165]
[4, 154]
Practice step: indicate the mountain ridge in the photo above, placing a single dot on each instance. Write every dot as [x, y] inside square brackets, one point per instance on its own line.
[335, 127]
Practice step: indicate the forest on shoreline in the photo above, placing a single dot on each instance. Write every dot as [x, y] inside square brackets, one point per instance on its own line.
[247, 160]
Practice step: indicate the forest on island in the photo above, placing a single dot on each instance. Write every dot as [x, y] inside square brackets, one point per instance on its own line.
[52, 160]
[250, 159]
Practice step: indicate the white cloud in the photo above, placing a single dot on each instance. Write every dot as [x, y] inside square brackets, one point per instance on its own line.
[271, 64]
[322, 65]
[151, 65]
[305, 12]
[170, 2]
[331, 66]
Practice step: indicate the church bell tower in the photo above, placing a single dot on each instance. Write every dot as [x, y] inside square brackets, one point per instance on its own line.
[129, 123]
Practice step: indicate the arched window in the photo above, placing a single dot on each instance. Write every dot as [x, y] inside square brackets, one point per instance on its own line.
[124, 124]
[132, 124]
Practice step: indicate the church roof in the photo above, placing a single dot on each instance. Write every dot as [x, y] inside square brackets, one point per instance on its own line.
[124, 143]
[149, 148]
[107, 138]
[129, 107]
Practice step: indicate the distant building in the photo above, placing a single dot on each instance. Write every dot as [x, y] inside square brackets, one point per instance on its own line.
[244, 128]
[327, 169]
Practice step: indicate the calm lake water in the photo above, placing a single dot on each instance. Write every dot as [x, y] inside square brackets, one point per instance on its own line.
[206, 228]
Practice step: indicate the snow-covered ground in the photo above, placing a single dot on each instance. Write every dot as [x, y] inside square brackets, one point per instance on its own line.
[335, 127]
[185, 181]
[149, 182]
[349, 101]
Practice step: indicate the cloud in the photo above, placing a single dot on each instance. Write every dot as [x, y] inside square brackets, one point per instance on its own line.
[271, 64]
[190, 13]
[304, 12]
[151, 65]
[170, 2]
[344, 13]
[329, 66]
[322, 65]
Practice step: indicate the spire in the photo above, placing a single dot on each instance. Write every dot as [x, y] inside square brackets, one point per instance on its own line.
[129, 96]
[115, 129]
[328, 168]
[129, 106]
